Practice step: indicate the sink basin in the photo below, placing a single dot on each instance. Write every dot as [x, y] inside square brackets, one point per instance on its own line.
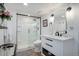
[8, 45]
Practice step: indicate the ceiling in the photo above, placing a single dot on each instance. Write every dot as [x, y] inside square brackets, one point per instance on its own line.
[35, 9]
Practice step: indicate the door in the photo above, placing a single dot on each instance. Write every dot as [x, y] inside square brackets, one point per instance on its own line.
[28, 32]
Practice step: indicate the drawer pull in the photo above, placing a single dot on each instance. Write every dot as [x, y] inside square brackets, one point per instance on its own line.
[49, 39]
[49, 45]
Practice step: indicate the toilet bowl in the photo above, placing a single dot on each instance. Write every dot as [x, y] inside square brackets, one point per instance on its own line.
[37, 46]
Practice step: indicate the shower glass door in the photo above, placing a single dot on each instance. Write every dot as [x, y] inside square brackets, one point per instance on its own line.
[28, 31]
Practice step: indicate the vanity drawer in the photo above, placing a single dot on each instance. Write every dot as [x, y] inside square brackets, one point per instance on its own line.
[50, 48]
[47, 46]
[46, 40]
[49, 41]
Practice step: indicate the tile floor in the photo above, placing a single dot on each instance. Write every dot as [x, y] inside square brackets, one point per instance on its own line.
[29, 52]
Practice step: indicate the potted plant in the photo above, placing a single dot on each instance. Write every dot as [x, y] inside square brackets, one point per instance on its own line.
[4, 14]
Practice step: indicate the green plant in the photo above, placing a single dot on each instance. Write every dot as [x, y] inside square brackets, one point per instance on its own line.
[4, 15]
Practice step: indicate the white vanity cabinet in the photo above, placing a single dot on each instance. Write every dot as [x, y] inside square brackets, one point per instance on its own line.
[58, 46]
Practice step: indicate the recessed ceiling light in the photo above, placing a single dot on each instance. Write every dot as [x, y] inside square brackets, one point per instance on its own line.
[25, 4]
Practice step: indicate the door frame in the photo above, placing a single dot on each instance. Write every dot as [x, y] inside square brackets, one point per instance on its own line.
[17, 29]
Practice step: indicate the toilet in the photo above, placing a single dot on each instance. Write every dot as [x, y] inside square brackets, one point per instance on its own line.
[37, 46]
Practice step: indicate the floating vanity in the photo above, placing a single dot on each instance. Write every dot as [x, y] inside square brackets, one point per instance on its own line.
[56, 45]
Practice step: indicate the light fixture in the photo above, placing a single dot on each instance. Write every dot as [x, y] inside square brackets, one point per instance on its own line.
[52, 18]
[25, 4]
[52, 15]
[69, 9]
[69, 13]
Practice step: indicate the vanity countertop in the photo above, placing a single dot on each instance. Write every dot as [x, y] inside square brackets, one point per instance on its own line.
[57, 37]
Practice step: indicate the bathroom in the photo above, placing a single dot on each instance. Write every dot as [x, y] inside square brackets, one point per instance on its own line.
[39, 29]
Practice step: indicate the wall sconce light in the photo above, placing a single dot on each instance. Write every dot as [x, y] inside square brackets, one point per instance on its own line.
[69, 9]
[69, 13]
[51, 18]
[69, 16]
[52, 15]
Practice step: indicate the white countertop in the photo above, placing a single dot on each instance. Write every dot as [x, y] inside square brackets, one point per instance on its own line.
[57, 37]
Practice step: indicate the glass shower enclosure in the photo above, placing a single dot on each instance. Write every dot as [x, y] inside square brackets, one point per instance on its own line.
[28, 31]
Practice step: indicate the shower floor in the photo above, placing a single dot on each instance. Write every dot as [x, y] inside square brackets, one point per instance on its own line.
[29, 52]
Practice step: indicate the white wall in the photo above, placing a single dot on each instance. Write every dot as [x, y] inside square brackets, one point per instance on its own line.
[73, 21]
[12, 30]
